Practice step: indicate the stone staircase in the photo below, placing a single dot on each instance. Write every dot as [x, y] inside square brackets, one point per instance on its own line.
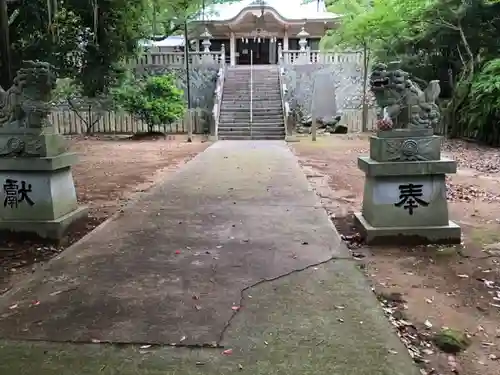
[234, 121]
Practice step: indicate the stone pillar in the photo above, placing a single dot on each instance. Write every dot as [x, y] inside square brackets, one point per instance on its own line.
[232, 49]
[38, 193]
[280, 54]
[223, 54]
[285, 41]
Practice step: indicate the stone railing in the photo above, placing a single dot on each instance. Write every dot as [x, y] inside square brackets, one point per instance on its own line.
[319, 57]
[214, 131]
[177, 58]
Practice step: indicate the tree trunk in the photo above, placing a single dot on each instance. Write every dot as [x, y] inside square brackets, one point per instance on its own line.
[5, 62]
[364, 114]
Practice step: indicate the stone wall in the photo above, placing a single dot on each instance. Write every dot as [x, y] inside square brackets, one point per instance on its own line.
[203, 82]
[348, 81]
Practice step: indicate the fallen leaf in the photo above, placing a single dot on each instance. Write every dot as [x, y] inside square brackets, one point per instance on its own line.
[145, 347]
[177, 251]
[183, 338]
[235, 308]
[228, 352]
[13, 307]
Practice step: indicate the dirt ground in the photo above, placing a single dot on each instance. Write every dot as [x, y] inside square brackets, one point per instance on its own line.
[455, 287]
[111, 171]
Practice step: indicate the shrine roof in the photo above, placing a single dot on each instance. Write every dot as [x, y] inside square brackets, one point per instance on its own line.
[287, 9]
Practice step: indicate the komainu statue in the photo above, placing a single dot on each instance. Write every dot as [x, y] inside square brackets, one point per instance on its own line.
[405, 104]
[26, 104]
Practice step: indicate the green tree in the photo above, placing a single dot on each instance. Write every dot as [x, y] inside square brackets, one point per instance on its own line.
[450, 40]
[84, 39]
[166, 17]
[155, 100]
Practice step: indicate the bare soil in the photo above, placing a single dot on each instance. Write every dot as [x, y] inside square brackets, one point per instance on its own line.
[455, 287]
[111, 171]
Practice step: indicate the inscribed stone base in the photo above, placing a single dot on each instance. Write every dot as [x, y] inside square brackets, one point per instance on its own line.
[408, 201]
[38, 195]
[438, 234]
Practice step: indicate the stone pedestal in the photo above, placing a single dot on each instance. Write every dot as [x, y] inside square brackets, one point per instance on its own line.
[38, 193]
[405, 192]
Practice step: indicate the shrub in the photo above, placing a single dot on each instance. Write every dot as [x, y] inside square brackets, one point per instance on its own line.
[155, 100]
[480, 115]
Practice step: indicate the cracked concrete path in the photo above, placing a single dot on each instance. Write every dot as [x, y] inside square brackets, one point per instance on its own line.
[238, 226]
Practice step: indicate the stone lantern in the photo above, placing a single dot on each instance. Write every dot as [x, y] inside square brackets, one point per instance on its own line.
[206, 41]
[303, 35]
[304, 57]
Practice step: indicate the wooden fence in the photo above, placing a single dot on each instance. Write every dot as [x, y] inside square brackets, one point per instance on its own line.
[70, 122]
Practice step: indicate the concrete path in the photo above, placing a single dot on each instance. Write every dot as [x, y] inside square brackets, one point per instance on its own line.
[233, 250]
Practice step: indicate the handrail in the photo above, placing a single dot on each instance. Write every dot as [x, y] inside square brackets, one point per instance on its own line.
[251, 93]
[219, 91]
[284, 108]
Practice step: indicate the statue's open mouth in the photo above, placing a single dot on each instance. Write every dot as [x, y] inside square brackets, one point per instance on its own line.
[379, 83]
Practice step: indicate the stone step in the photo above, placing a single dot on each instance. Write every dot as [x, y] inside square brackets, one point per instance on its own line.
[245, 107]
[254, 138]
[256, 114]
[248, 133]
[256, 75]
[243, 99]
[256, 103]
[255, 94]
[255, 89]
[255, 128]
[241, 82]
[244, 124]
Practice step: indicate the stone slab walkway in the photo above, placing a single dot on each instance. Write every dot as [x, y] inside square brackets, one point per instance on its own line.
[227, 251]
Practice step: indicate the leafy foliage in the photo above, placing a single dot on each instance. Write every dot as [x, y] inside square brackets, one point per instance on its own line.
[447, 40]
[84, 39]
[480, 115]
[90, 40]
[167, 17]
[155, 100]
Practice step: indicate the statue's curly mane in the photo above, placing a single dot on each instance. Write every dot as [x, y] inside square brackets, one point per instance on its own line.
[405, 104]
[33, 83]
